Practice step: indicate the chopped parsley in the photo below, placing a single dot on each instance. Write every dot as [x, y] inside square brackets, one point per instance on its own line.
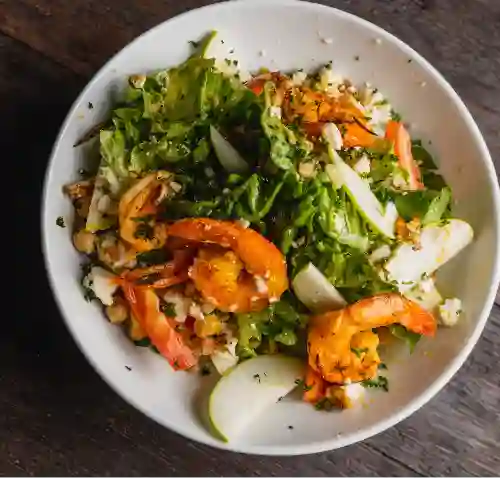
[257, 377]
[146, 259]
[290, 427]
[90, 105]
[88, 293]
[396, 116]
[377, 383]
[194, 44]
[128, 368]
[168, 309]
[302, 384]
[382, 366]
[60, 222]
[324, 404]
[205, 371]
[145, 342]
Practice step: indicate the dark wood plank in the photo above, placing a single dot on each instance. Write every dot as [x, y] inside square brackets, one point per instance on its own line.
[82, 35]
[56, 416]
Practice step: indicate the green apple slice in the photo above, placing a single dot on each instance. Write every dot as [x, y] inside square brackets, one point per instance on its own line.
[314, 290]
[438, 244]
[380, 219]
[246, 391]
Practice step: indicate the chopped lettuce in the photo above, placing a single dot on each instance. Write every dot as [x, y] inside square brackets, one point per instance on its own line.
[286, 147]
[280, 323]
[428, 205]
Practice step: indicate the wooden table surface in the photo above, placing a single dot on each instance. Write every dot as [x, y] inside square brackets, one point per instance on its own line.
[57, 417]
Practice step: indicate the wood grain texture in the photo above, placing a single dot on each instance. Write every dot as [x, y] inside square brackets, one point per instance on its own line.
[56, 416]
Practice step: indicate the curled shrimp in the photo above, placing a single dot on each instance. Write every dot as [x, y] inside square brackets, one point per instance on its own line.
[237, 269]
[343, 348]
[137, 212]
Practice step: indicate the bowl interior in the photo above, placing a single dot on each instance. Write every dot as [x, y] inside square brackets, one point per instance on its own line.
[291, 35]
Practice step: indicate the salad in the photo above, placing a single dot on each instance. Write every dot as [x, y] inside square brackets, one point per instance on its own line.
[276, 228]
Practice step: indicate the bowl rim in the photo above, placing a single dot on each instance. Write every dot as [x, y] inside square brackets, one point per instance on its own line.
[448, 371]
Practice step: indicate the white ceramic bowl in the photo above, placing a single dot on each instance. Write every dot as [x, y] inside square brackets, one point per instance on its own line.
[293, 35]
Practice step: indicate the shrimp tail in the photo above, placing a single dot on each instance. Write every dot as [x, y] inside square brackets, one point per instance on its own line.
[389, 308]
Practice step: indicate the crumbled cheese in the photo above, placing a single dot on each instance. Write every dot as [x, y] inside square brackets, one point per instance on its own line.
[102, 283]
[427, 285]
[307, 169]
[328, 80]
[261, 284]
[376, 108]
[354, 392]
[230, 69]
[224, 360]
[362, 166]
[298, 78]
[181, 305]
[449, 311]
[332, 135]
[275, 111]
[195, 311]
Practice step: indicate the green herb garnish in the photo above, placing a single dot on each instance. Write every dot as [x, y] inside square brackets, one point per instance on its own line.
[60, 222]
[168, 309]
[377, 383]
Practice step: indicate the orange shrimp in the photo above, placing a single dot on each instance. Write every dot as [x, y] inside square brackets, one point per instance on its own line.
[165, 333]
[164, 275]
[237, 270]
[397, 133]
[137, 211]
[343, 348]
[315, 387]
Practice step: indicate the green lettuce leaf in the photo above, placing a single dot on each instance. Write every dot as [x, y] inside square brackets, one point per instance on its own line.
[286, 148]
[428, 205]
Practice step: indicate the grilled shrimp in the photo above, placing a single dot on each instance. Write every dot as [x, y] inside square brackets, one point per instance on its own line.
[343, 348]
[170, 338]
[237, 269]
[138, 208]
